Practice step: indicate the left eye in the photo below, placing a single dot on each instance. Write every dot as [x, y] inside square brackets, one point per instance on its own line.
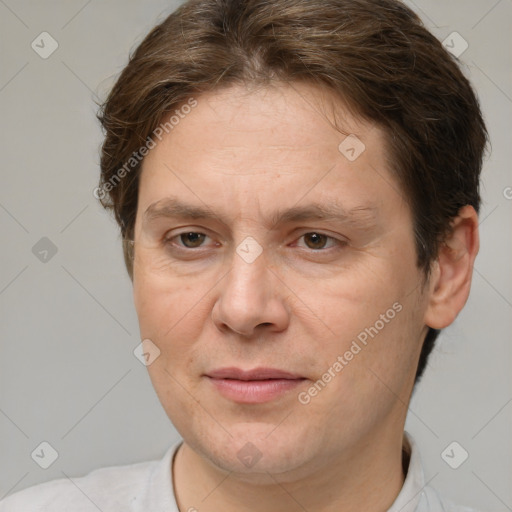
[318, 240]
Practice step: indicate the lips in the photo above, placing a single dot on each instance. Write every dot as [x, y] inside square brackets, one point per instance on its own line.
[255, 374]
[253, 386]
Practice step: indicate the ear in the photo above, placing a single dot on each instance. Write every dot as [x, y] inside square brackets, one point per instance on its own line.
[450, 280]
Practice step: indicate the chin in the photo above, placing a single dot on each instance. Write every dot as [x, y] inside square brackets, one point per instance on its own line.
[255, 449]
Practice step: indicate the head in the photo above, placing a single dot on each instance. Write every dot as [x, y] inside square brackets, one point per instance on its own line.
[260, 114]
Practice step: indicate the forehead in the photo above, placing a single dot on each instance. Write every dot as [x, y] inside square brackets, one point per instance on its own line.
[299, 116]
[257, 149]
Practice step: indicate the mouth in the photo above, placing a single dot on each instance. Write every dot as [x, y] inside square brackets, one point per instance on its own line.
[253, 386]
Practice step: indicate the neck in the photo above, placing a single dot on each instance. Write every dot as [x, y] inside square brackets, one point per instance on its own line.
[370, 477]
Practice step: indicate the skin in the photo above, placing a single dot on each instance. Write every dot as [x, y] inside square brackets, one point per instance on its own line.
[247, 154]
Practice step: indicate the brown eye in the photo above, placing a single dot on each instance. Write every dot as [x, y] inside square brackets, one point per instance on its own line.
[192, 239]
[316, 240]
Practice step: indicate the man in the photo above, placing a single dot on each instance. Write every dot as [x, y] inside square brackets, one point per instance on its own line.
[297, 186]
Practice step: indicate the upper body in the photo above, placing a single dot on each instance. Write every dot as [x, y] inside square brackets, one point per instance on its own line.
[149, 487]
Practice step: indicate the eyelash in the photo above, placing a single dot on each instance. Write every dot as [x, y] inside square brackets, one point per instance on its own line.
[169, 242]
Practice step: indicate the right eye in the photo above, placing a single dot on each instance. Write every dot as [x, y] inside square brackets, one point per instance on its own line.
[186, 240]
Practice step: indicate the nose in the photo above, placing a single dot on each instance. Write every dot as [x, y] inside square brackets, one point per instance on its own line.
[251, 298]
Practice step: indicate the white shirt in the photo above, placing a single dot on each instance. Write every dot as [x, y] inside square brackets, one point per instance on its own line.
[148, 487]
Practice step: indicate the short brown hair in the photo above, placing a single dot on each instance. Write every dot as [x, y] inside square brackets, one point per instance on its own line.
[375, 54]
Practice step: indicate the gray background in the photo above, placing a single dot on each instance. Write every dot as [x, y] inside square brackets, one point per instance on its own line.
[68, 375]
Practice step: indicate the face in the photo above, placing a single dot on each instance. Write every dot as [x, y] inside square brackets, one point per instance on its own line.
[302, 261]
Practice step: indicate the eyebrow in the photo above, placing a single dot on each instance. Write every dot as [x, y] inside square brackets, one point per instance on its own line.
[173, 208]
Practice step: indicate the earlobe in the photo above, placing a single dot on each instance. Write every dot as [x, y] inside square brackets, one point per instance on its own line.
[450, 281]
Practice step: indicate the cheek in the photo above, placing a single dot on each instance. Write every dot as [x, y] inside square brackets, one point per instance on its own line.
[172, 318]
[372, 317]
[170, 315]
[360, 384]
[357, 296]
